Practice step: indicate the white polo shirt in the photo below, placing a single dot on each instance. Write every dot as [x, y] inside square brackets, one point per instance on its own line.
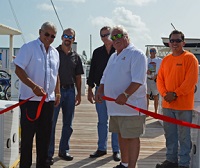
[40, 66]
[129, 66]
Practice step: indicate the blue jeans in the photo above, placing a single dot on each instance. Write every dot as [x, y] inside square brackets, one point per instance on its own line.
[102, 128]
[67, 103]
[175, 134]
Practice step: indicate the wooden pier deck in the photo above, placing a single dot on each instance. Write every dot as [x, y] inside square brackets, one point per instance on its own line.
[84, 142]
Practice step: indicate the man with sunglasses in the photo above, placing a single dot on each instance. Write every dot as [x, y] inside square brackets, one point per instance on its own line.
[99, 61]
[70, 72]
[153, 66]
[124, 79]
[37, 66]
[177, 77]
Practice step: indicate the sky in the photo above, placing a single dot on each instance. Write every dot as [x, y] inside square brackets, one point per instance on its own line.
[146, 20]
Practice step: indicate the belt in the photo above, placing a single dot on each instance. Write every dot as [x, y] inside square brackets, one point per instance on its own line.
[150, 78]
[67, 86]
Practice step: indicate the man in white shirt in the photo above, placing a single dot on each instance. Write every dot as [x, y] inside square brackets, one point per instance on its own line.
[124, 79]
[37, 66]
[153, 66]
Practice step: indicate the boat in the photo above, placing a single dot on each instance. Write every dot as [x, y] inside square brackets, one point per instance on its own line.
[189, 42]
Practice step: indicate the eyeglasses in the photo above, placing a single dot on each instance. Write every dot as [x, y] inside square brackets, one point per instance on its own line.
[104, 35]
[68, 37]
[117, 36]
[47, 35]
[175, 40]
[152, 50]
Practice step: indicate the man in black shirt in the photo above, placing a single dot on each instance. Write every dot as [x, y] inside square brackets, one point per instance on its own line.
[99, 61]
[70, 71]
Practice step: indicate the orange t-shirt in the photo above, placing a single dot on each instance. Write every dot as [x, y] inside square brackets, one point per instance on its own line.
[178, 74]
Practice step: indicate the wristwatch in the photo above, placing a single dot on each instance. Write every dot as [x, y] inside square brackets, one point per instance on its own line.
[126, 94]
[174, 94]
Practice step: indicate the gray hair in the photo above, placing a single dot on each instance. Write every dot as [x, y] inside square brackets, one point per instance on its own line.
[47, 25]
[121, 28]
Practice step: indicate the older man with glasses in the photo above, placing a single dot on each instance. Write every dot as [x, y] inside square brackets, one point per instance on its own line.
[37, 66]
[70, 72]
[99, 61]
[124, 79]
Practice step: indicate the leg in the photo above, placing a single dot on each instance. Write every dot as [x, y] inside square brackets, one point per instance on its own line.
[124, 149]
[102, 126]
[133, 152]
[43, 133]
[156, 102]
[148, 101]
[52, 138]
[27, 134]
[171, 136]
[184, 138]
[68, 107]
[114, 141]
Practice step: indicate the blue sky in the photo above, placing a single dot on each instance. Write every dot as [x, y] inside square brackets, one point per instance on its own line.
[146, 20]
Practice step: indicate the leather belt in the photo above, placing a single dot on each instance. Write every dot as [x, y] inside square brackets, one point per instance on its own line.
[67, 86]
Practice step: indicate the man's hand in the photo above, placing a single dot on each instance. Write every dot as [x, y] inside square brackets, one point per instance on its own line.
[57, 100]
[90, 96]
[170, 97]
[121, 99]
[78, 99]
[38, 91]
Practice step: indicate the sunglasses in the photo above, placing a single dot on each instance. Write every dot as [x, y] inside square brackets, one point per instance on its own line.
[152, 50]
[117, 36]
[104, 35]
[68, 37]
[47, 35]
[175, 40]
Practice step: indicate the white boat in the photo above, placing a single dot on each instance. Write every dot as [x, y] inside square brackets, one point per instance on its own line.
[189, 42]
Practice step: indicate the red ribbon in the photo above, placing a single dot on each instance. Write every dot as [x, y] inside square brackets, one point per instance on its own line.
[24, 101]
[158, 116]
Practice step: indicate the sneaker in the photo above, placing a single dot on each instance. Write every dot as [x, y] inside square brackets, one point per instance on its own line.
[120, 166]
[167, 164]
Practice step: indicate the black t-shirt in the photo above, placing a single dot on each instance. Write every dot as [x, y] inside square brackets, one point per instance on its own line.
[99, 61]
[70, 67]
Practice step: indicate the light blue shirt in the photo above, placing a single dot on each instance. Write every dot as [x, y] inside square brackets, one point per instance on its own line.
[41, 66]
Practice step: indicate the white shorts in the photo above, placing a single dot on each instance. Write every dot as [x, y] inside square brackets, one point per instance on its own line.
[151, 87]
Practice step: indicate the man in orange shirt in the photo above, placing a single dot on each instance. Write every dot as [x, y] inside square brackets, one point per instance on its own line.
[177, 77]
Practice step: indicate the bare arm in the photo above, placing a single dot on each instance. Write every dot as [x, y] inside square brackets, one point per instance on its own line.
[78, 87]
[37, 90]
[121, 99]
[57, 92]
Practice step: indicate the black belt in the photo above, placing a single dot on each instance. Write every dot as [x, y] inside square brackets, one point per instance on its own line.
[67, 86]
[150, 78]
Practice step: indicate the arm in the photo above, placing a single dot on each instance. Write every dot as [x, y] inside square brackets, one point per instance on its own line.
[122, 98]
[99, 94]
[57, 92]
[90, 96]
[78, 87]
[37, 90]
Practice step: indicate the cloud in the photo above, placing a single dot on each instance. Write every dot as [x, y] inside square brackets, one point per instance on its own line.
[121, 16]
[102, 21]
[134, 2]
[45, 7]
[133, 23]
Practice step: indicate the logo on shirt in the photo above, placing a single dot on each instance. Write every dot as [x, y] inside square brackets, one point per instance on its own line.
[124, 58]
[178, 64]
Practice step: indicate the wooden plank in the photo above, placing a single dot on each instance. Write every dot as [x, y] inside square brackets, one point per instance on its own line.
[84, 142]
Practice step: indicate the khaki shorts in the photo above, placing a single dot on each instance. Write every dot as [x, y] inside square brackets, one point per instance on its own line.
[127, 126]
